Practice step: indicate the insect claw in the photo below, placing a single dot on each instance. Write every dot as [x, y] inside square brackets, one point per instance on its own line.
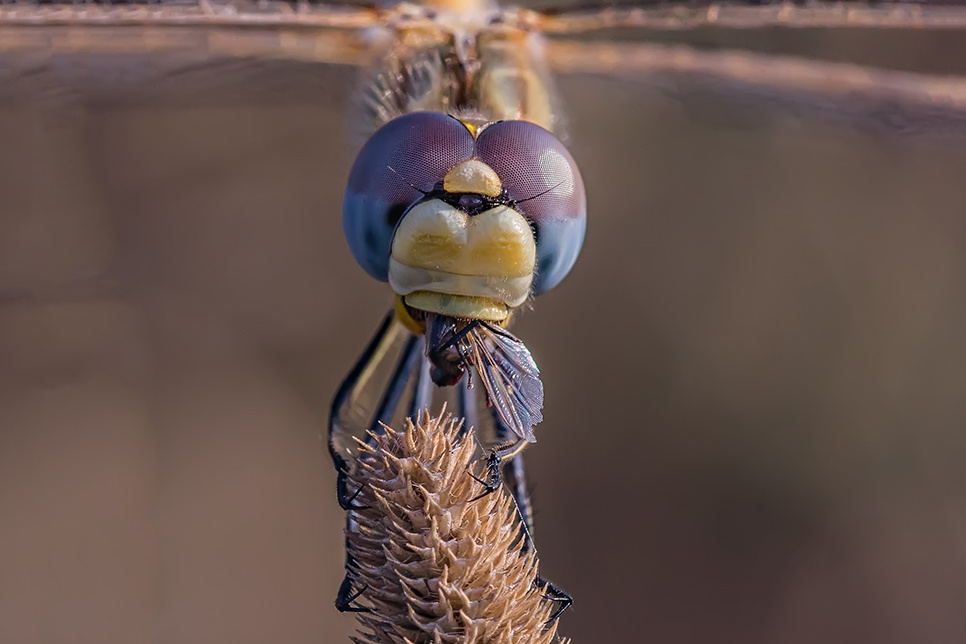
[554, 594]
[342, 493]
[345, 597]
[494, 476]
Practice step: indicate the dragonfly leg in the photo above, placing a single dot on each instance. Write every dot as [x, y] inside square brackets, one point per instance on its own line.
[516, 478]
[407, 364]
[345, 391]
[423, 390]
[347, 594]
[346, 500]
[493, 478]
[556, 595]
[508, 461]
[361, 372]
[504, 463]
[510, 455]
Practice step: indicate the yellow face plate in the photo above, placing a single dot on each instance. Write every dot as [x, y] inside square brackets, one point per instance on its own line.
[458, 306]
[439, 248]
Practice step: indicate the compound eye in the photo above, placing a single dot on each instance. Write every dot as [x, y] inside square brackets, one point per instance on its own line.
[405, 156]
[539, 174]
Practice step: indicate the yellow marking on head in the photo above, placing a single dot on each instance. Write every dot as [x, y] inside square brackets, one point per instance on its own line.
[437, 236]
[473, 176]
[440, 249]
[402, 314]
[501, 243]
[458, 306]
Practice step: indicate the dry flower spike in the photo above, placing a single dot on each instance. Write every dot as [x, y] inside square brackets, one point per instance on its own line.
[438, 560]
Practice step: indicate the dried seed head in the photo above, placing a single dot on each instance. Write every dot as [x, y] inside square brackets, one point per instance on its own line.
[438, 564]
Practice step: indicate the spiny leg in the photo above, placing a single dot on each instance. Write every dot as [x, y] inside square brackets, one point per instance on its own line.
[556, 595]
[407, 365]
[508, 462]
[388, 404]
[510, 458]
[347, 594]
[503, 463]
[516, 478]
[348, 386]
[387, 407]
[466, 400]
[423, 389]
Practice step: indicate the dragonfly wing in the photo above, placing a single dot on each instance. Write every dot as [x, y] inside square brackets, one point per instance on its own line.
[669, 16]
[219, 14]
[511, 378]
[871, 99]
[164, 50]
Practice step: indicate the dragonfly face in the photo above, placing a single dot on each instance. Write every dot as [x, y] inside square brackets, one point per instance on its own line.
[465, 219]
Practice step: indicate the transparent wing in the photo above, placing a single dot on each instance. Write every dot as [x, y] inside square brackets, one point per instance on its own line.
[715, 61]
[128, 49]
[866, 98]
[192, 13]
[510, 377]
[676, 16]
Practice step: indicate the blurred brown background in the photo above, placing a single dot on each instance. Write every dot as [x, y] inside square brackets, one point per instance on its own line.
[754, 418]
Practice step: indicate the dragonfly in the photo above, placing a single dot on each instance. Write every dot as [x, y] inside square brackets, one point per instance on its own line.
[465, 148]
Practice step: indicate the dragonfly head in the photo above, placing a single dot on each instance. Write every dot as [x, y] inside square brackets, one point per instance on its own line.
[462, 252]
[465, 222]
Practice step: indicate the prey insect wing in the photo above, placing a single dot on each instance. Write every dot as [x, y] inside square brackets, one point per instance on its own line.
[509, 375]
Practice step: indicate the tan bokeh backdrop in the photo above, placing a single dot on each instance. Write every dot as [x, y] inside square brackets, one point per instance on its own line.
[754, 418]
